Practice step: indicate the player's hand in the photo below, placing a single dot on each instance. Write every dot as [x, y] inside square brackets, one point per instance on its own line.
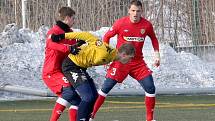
[80, 42]
[156, 59]
[74, 49]
[57, 38]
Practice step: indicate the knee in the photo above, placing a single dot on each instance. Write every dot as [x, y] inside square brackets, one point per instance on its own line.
[71, 96]
[108, 85]
[150, 90]
[102, 93]
[148, 84]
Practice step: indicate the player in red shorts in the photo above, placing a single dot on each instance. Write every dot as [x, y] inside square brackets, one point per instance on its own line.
[55, 53]
[133, 29]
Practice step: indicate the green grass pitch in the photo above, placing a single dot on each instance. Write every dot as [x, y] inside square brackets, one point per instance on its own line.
[168, 108]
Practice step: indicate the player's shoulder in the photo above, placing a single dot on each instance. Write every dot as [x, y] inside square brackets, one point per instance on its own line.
[145, 21]
[55, 30]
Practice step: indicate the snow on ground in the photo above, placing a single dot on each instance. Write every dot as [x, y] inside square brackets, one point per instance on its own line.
[22, 54]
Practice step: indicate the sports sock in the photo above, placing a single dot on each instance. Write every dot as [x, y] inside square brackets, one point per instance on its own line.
[59, 107]
[73, 113]
[99, 101]
[150, 105]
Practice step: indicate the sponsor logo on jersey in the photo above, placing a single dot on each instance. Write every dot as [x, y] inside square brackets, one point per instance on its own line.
[142, 31]
[135, 39]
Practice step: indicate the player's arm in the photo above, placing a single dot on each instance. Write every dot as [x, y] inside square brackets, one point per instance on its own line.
[57, 46]
[111, 53]
[111, 32]
[155, 45]
[82, 38]
[85, 36]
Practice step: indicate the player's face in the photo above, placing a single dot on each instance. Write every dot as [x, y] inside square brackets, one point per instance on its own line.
[125, 58]
[70, 20]
[135, 13]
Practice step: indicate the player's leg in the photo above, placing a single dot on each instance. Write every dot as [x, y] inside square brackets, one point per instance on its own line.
[116, 73]
[55, 82]
[95, 93]
[106, 87]
[70, 95]
[73, 110]
[148, 84]
[58, 109]
[88, 99]
[85, 87]
[142, 74]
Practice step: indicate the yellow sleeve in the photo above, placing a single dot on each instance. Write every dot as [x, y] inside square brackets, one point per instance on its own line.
[112, 52]
[86, 36]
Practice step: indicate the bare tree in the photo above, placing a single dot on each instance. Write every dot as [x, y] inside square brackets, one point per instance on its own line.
[171, 19]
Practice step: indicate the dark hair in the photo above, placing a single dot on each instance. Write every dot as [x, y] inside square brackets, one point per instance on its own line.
[136, 3]
[127, 48]
[65, 11]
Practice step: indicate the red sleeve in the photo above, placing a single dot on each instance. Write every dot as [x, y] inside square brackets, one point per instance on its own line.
[111, 32]
[56, 45]
[153, 37]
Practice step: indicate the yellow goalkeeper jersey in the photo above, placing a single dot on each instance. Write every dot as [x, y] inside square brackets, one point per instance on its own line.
[93, 53]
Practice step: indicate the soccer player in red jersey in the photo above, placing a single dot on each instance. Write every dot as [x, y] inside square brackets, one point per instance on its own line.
[133, 29]
[55, 53]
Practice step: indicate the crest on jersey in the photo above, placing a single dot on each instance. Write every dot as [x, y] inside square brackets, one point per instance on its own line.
[99, 43]
[142, 31]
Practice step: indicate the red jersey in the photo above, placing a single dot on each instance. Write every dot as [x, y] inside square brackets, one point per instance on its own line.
[134, 33]
[56, 52]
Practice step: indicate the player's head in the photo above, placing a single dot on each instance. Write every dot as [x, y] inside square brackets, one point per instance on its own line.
[66, 15]
[135, 11]
[125, 53]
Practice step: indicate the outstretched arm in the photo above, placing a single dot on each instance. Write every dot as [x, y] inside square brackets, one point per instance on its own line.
[56, 46]
[85, 36]
[111, 32]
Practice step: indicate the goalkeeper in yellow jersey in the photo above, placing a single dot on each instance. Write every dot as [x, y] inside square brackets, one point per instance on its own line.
[89, 51]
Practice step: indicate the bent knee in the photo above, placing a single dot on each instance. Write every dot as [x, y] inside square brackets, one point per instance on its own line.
[150, 90]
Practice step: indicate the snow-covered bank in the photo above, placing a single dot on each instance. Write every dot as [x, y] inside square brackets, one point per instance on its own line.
[22, 53]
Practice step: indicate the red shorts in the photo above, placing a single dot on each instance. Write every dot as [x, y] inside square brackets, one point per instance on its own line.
[136, 68]
[55, 82]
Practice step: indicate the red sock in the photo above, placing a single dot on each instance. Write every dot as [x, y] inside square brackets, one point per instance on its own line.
[57, 111]
[73, 113]
[150, 105]
[99, 101]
